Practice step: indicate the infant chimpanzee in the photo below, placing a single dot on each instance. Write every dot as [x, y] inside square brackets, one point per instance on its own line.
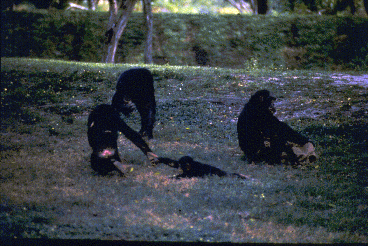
[104, 123]
[191, 168]
[136, 86]
[262, 137]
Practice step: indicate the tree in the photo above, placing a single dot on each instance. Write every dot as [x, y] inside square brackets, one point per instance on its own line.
[147, 13]
[257, 6]
[330, 7]
[92, 4]
[117, 23]
[241, 5]
[262, 7]
[311, 4]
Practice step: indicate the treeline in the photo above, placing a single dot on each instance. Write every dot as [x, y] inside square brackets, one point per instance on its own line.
[232, 41]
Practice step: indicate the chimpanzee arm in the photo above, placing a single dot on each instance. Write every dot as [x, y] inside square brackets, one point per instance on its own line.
[133, 136]
[291, 135]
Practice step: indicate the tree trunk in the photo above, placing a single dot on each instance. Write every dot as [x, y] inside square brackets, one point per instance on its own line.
[147, 13]
[236, 5]
[262, 7]
[92, 4]
[242, 5]
[254, 6]
[113, 10]
[117, 26]
[111, 50]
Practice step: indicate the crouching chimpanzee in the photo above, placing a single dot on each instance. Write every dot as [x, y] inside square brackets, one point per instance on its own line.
[104, 123]
[191, 168]
[262, 137]
[136, 86]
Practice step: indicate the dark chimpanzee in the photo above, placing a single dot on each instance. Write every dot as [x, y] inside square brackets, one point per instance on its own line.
[201, 55]
[191, 168]
[136, 86]
[262, 137]
[104, 123]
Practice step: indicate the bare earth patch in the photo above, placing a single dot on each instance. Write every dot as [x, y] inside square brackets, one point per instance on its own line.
[344, 79]
[320, 107]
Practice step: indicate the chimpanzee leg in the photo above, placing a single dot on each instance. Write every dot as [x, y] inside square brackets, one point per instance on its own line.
[150, 122]
[147, 120]
[101, 165]
[286, 133]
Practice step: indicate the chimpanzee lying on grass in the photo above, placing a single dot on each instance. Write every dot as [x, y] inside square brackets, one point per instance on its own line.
[262, 137]
[104, 123]
[136, 86]
[193, 168]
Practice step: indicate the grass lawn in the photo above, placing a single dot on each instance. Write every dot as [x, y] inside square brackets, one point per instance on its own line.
[48, 189]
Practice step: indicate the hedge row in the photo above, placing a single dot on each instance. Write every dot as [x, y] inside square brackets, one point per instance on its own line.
[233, 41]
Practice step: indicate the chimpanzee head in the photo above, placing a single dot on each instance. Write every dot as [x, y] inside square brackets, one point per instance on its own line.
[123, 105]
[263, 100]
[185, 163]
[103, 141]
[103, 129]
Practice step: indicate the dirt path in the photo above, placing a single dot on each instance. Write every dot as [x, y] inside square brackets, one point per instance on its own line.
[343, 79]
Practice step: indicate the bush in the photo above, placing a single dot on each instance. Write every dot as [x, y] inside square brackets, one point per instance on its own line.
[327, 42]
[297, 42]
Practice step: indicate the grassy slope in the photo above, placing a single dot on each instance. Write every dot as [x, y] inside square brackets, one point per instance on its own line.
[49, 190]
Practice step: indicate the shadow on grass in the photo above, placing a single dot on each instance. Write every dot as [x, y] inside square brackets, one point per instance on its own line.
[347, 144]
[339, 201]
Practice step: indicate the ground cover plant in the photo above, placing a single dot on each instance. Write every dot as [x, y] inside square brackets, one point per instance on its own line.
[291, 41]
[48, 189]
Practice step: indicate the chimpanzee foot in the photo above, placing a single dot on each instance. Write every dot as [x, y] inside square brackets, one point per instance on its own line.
[123, 169]
[153, 158]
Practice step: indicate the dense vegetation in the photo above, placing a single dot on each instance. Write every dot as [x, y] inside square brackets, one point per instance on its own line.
[231, 41]
[48, 189]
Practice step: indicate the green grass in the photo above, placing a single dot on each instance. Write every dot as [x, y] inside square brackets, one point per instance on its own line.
[48, 189]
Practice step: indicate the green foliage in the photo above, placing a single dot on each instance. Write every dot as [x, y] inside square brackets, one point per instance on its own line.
[190, 6]
[332, 43]
[232, 41]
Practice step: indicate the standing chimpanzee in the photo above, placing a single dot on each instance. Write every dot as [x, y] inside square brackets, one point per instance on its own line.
[262, 137]
[191, 168]
[104, 123]
[136, 86]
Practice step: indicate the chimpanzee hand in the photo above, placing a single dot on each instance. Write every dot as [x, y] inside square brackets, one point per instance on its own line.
[153, 158]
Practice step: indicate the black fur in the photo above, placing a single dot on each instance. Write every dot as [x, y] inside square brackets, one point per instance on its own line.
[201, 56]
[262, 137]
[136, 86]
[104, 123]
[191, 168]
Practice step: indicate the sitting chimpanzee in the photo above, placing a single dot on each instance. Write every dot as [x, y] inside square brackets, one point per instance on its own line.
[262, 137]
[104, 123]
[136, 86]
[191, 168]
